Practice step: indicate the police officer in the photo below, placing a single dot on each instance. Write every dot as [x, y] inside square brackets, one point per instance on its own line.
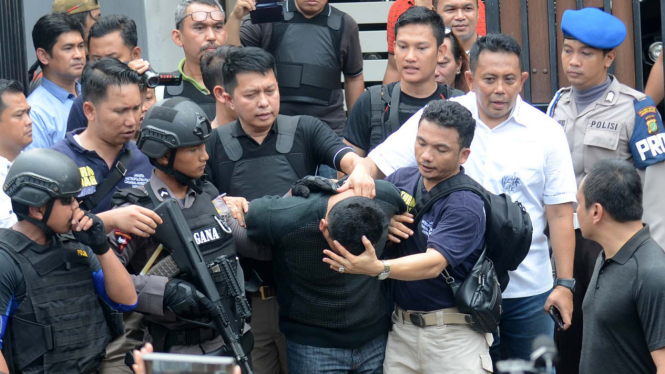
[173, 136]
[603, 119]
[56, 290]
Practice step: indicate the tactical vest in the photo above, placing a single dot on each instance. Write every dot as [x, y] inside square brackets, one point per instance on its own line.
[60, 326]
[380, 99]
[214, 238]
[307, 55]
[188, 90]
[257, 176]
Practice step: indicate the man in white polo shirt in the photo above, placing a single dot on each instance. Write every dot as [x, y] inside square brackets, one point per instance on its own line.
[519, 151]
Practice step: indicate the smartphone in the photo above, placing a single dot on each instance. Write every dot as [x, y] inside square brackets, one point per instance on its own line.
[267, 11]
[556, 317]
[169, 363]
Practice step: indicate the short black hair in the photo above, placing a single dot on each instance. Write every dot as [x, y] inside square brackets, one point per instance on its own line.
[616, 186]
[497, 43]
[246, 60]
[99, 75]
[452, 115]
[9, 86]
[116, 22]
[353, 217]
[418, 15]
[212, 65]
[48, 29]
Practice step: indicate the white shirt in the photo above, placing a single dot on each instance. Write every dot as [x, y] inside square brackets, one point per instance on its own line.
[7, 216]
[526, 157]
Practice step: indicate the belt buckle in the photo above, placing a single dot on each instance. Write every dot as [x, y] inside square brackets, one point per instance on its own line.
[265, 293]
[417, 319]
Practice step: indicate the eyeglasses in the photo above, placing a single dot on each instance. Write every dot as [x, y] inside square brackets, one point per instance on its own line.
[216, 15]
[96, 2]
[67, 200]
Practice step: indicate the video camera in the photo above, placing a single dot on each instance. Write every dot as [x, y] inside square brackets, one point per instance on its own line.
[153, 79]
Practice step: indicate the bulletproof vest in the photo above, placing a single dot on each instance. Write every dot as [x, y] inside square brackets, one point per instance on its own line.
[60, 325]
[188, 90]
[307, 55]
[259, 174]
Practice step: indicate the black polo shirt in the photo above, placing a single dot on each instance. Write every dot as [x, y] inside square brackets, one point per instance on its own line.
[314, 144]
[624, 309]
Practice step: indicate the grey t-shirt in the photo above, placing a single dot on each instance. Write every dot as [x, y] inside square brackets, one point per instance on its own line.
[624, 318]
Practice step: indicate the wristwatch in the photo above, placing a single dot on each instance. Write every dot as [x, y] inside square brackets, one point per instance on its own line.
[386, 271]
[568, 283]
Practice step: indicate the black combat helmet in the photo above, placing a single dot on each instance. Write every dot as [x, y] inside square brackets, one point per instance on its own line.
[171, 124]
[38, 177]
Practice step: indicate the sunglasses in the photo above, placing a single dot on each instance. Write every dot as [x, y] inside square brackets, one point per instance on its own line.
[216, 15]
[96, 2]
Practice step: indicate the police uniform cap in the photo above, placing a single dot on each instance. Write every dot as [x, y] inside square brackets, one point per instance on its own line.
[74, 6]
[593, 27]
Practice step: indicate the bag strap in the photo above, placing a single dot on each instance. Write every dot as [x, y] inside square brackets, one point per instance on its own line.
[459, 182]
[118, 172]
[393, 119]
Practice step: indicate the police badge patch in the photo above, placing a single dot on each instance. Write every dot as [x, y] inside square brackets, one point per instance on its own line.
[648, 115]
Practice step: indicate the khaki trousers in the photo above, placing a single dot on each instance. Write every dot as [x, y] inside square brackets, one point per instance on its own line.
[437, 349]
[269, 353]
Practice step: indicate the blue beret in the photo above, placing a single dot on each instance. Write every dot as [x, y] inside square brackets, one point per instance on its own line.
[593, 27]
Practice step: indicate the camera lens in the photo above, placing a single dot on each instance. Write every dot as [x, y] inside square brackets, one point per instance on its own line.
[151, 78]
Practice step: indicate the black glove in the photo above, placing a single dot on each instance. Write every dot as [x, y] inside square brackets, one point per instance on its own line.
[183, 299]
[310, 183]
[95, 236]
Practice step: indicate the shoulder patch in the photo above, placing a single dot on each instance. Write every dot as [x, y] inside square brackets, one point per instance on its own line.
[647, 143]
[122, 239]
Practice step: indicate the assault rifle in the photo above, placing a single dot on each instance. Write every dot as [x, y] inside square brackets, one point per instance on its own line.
[185, 256]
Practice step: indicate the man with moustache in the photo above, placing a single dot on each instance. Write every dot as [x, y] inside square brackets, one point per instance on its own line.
[603, 119]
[381, 110]
[462, 17]
[507, 129]
[16, 130]
[199, 28]
[59, 46]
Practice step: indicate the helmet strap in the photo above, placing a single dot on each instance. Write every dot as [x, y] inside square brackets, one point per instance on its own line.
[178, 176]
[42, 224]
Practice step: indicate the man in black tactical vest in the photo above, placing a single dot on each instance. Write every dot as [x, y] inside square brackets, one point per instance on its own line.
[314, 45]
[382, 109]
[173, 136]
[199, 29]
[61, 288]
[264, 153]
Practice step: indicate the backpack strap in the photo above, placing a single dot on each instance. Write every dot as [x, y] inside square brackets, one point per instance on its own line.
[379, 99]
[459, 182]
[129, 195]
[118, 172]
[393, 119]
[286, 133]
[230, 144]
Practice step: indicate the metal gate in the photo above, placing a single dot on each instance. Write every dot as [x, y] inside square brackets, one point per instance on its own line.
[539, 34]
[12, 42]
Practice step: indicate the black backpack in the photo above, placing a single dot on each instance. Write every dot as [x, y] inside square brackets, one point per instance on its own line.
[508, 231]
